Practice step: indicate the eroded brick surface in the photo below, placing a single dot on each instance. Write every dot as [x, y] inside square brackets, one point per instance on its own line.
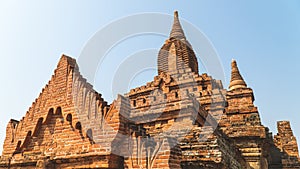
[180, 119]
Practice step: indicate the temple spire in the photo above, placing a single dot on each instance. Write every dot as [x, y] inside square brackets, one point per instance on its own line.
[237, 80]
[177, 53]
[177, 31]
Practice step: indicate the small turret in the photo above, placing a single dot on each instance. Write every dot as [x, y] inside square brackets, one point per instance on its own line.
[236, 81]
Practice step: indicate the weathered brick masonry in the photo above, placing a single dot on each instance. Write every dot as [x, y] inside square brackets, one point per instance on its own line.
[181, 119]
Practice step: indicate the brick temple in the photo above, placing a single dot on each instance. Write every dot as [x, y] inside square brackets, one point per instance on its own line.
[181, 119]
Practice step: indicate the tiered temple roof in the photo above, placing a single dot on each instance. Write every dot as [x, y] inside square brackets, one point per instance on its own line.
[181, 119]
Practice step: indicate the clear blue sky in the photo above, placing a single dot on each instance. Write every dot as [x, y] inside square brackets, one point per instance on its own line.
[264, 38]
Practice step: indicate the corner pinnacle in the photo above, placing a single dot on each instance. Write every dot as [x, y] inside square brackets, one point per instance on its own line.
[236, 80]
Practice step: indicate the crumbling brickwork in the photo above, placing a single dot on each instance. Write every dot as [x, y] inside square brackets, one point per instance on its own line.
[180, 119]
[286, 142]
